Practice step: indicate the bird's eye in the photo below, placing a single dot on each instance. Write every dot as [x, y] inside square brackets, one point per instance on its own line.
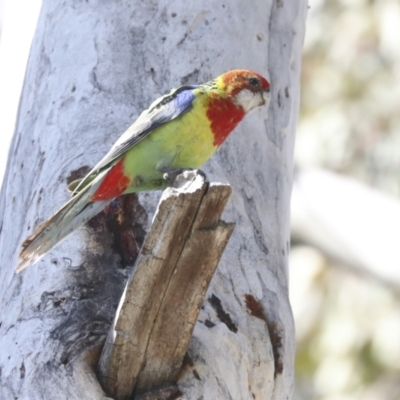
[254, 81]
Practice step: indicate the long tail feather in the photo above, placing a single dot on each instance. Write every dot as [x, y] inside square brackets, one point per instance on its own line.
[71, 216]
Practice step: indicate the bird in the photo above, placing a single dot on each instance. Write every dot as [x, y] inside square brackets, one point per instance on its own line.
[180, 130]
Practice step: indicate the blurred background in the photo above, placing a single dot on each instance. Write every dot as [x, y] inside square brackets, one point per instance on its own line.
[345, 256]
[344, 263]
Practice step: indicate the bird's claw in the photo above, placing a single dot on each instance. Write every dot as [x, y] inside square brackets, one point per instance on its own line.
[177, 177]
[170, 174]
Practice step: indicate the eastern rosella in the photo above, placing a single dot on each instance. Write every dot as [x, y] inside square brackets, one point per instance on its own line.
[180, 130]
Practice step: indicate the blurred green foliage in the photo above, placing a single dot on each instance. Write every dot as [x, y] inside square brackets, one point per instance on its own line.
[350, 102]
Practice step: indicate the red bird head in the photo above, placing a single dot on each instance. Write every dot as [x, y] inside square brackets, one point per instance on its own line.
[231, 96]
[246, 88]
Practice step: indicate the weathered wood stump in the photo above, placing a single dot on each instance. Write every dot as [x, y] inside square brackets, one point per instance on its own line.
[153, 325]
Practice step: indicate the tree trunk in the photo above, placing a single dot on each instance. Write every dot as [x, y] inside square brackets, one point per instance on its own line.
[93, 67]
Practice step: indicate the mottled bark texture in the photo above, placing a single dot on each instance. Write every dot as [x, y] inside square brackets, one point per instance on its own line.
[94, 65]
[151, 332]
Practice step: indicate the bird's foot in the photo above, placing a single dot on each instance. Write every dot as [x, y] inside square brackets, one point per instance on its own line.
[170, 174]
[177, 177]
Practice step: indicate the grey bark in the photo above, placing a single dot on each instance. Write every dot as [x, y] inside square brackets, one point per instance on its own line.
[93, 67]
[153, 325]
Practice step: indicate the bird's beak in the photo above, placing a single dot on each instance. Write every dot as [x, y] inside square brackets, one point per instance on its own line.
[265, 96]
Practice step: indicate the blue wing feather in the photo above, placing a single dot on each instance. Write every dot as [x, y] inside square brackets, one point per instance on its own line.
[183, 101]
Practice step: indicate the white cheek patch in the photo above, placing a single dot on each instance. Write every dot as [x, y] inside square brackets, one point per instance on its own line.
[249, 100]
